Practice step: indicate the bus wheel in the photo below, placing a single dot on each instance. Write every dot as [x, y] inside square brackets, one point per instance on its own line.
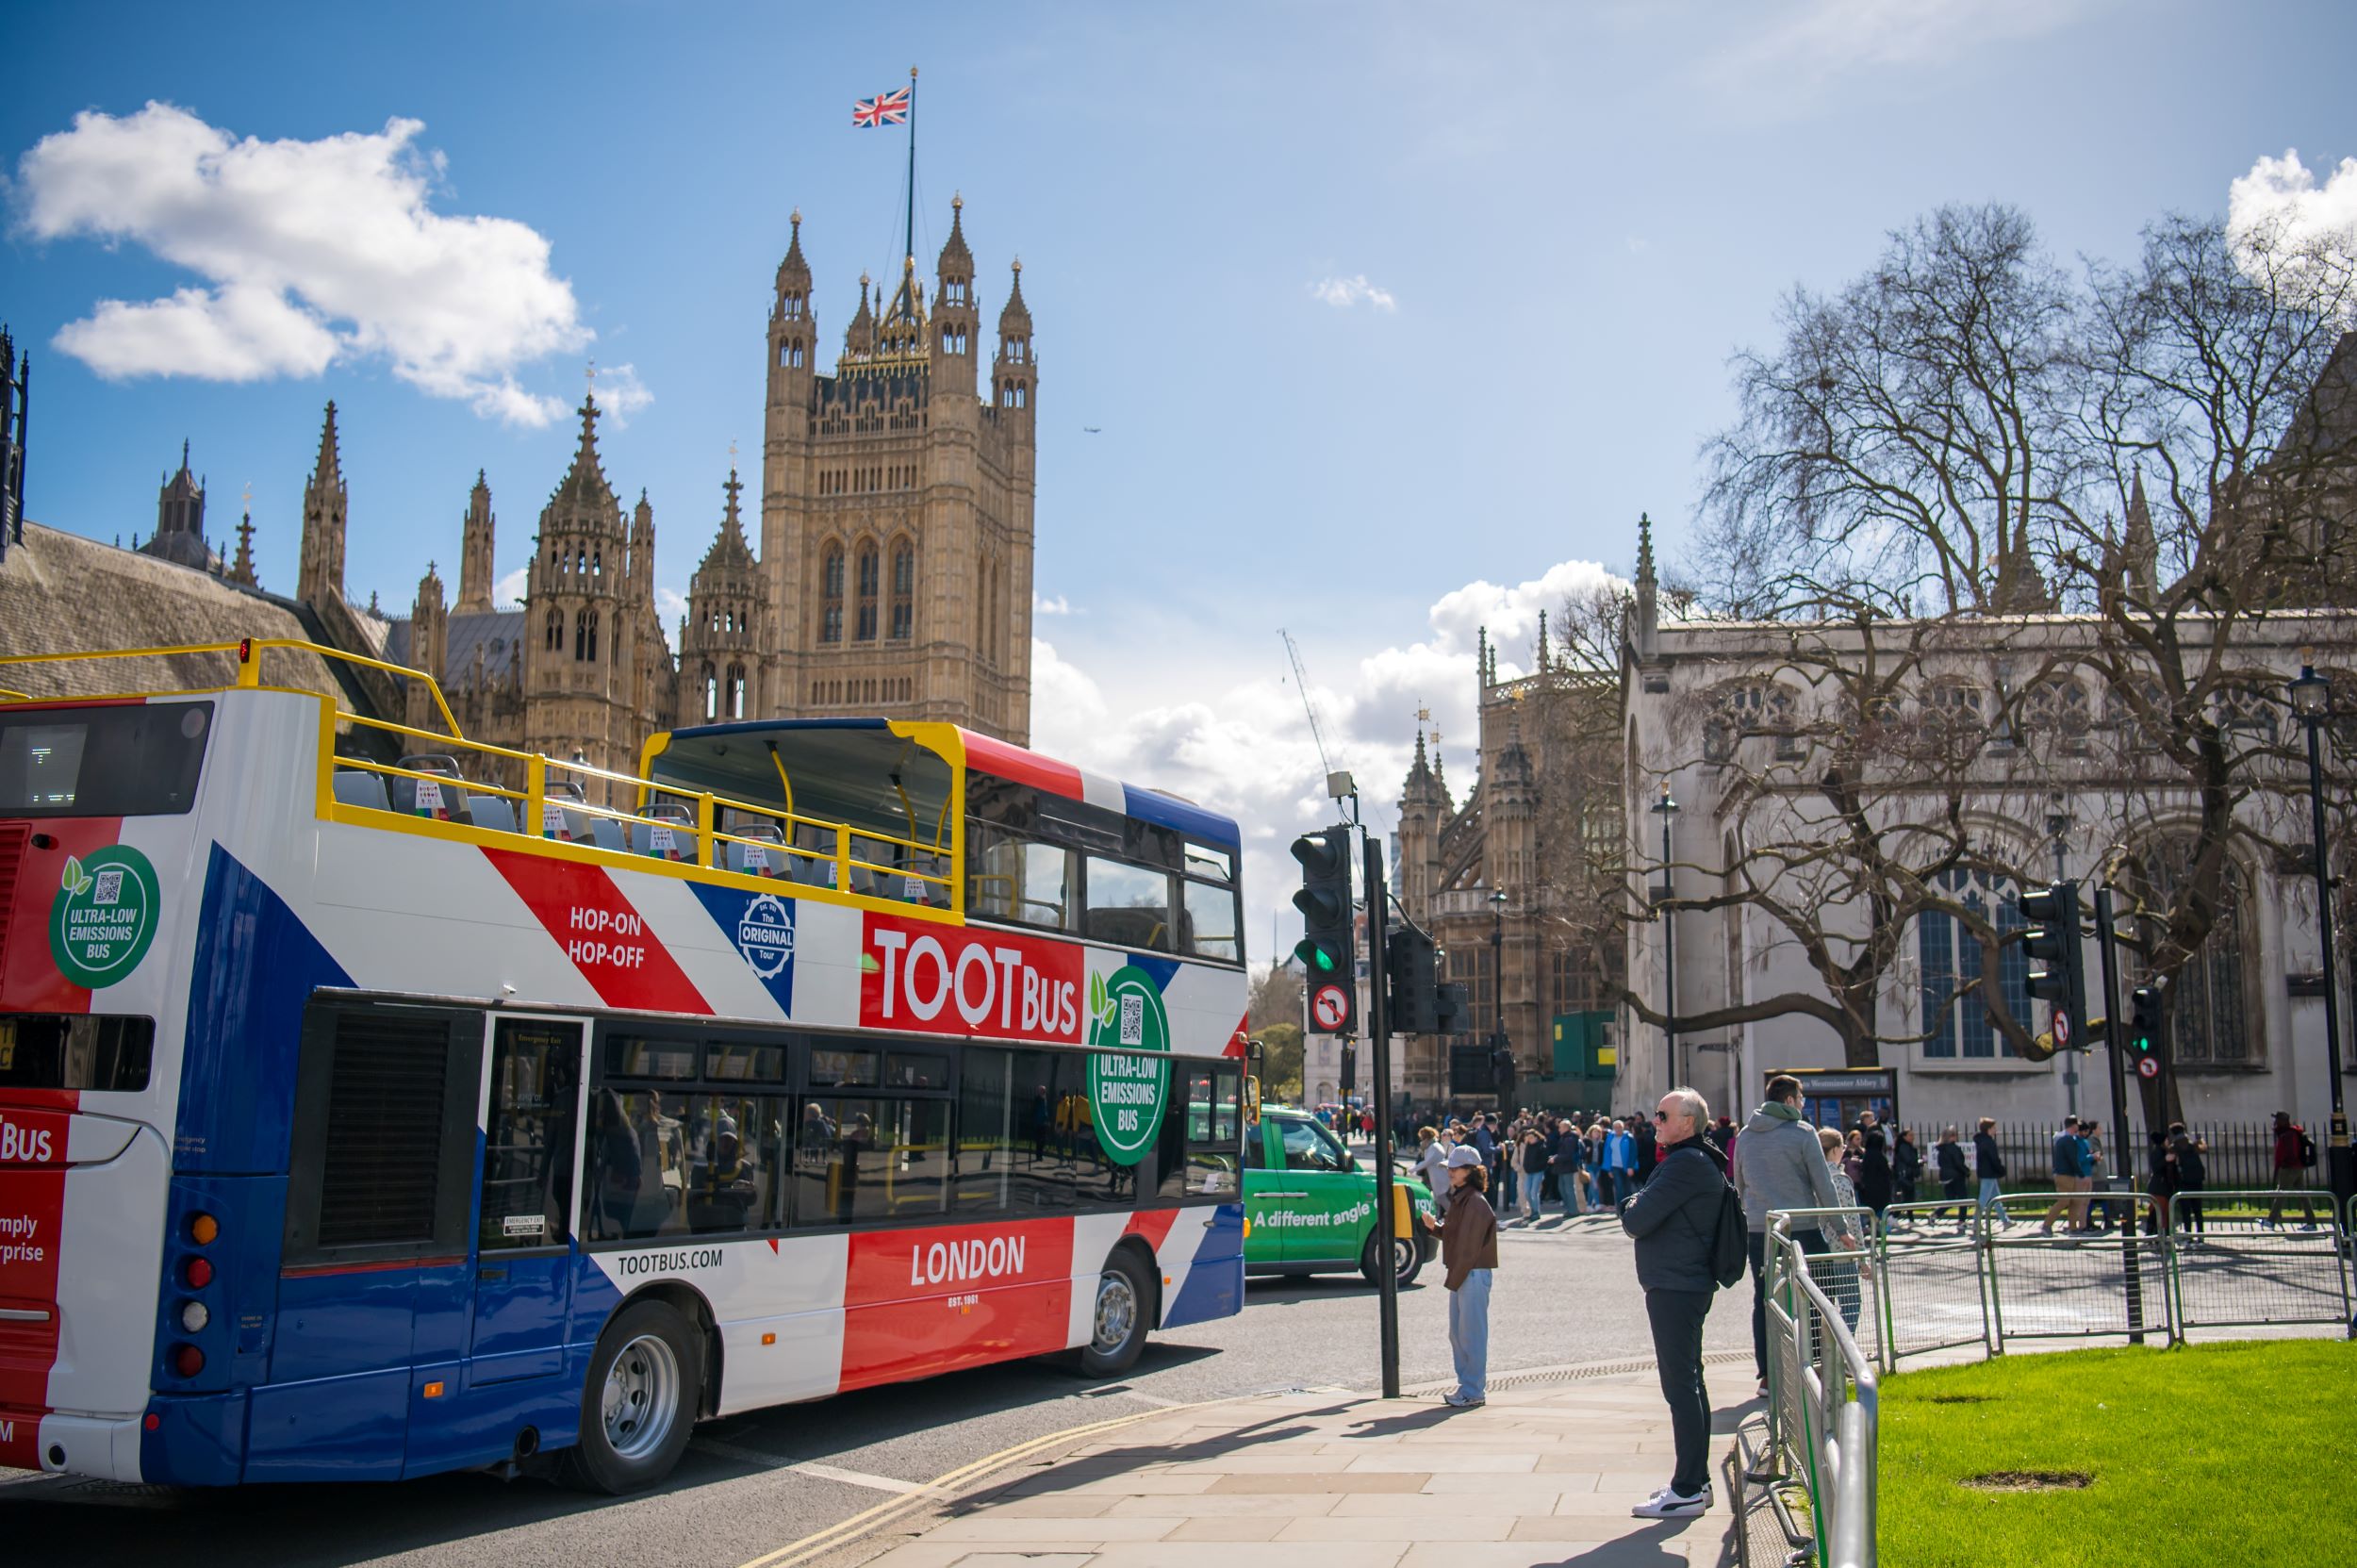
[1406, 1259]
[1119, 1321]
[639, 1401]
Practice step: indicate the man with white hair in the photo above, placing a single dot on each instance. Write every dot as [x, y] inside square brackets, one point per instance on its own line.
[1674, 1216]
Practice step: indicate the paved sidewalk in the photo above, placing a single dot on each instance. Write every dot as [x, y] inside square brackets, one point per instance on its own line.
[1545, 1474]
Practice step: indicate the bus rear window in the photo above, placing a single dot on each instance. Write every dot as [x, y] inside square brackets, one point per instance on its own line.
[134, 761]
[75, 1051]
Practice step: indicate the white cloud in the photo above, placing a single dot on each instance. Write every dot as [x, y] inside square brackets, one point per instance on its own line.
[621, 394]
[2283, 195]
[1240, 745]
[508, 589]
[1803, 48]
[671, 609]
[1058, 605]
[1344, 292]
[311, 252]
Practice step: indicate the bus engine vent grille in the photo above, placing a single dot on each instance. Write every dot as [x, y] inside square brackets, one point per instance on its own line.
[11, 861]
[383, 1131]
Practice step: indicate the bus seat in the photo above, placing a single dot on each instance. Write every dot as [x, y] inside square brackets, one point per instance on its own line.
[357, 788]
[606, 833]
[404, 797]
[754, 860]
[492, 812]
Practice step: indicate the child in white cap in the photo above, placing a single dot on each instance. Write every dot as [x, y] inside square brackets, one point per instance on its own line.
[1468, 1252]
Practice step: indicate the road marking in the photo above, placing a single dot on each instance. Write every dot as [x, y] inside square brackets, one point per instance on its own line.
[859, 1478]
[818, 1543]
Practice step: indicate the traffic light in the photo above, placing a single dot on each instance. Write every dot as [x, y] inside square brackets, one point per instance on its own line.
[1326, 937]
[2057, 971]
[2148, 1032]
[1502, 1073]
[1451, 1009]
[1412, 969]
[1350, 1072]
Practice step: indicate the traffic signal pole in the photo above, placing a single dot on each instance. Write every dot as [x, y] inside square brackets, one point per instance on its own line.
[1378, 1034]
[2117, 1054]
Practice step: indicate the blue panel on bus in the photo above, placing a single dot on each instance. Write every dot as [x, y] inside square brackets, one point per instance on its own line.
[195, 1441]
[1214, 1286]
[1159, 967]
[335, 1430]
[1168, 810]
[353, 1320]
[469, 1425]
[256, 967]
[761, 927]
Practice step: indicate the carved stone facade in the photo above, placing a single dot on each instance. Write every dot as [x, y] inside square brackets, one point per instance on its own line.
[897, 502]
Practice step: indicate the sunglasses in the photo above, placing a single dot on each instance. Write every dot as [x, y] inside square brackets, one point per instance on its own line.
[1662, 1115]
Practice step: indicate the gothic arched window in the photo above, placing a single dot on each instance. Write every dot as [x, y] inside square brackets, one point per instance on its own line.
[581, 634]
[903, 591]
[593, 638]
[830, 595]
[554, 641]
[1954, 994]
[2213, 1005]
[867, 586]
[736, 691]
[712, 695]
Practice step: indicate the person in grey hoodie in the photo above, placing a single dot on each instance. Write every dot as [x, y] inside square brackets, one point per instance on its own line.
[1778, 1165]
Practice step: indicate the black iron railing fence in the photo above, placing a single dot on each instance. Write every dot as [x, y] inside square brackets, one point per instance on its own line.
[2237, 1154]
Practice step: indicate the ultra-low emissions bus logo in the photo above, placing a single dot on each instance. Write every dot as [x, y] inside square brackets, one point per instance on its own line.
[104, 917]
[1128, 1093]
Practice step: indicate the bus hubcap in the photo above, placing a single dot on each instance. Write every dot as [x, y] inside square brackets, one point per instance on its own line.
[1116, 1310]
[641, 1397]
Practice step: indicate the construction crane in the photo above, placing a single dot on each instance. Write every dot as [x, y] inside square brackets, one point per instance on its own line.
[1337, 784]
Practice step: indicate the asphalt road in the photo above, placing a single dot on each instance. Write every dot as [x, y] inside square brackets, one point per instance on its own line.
[1565, 1294]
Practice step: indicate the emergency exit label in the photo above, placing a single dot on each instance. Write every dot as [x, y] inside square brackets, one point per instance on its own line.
[104, 915]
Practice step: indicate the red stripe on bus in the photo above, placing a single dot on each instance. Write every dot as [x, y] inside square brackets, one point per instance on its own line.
[32, 1196]
[1004, 761]
[607, 938]
[312, 1270]
[1152, 1226]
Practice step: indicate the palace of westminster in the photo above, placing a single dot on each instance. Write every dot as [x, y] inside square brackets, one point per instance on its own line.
[894, 572]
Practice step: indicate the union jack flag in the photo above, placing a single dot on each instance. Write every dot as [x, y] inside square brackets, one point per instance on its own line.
[885, 108]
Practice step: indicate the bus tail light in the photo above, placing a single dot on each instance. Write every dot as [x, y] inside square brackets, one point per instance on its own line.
[193, 1317]
[188, 1361]
[198, 1272]
[202, 1228]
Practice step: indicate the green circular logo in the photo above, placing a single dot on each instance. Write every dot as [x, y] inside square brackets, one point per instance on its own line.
[104, 917]
[1129, 1085]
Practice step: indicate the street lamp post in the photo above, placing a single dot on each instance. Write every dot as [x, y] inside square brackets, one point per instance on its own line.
[2312, 699]
[1666, 808]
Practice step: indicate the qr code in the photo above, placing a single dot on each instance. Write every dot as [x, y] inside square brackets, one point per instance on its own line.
[1133, 1020]
[109, 888]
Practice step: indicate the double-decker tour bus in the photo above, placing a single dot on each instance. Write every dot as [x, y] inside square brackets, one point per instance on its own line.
[374, 1102]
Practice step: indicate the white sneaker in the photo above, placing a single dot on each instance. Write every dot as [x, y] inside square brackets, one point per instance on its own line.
[1667, 1503]
[1462, 1401]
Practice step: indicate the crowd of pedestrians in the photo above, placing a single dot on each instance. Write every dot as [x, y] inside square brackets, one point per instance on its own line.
[1538, 1163]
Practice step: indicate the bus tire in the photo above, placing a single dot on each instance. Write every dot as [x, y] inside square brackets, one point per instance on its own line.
[639, 1401]
[1119, 1324]
[1406, 1258]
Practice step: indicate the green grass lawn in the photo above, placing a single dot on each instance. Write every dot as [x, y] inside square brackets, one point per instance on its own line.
[2205, 1456]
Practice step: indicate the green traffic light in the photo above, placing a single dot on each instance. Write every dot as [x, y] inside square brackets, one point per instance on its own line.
[1314, 955]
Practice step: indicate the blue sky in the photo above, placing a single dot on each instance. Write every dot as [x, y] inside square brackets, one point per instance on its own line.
[1390, 315]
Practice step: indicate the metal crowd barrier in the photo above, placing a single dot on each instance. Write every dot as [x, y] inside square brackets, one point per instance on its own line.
[2046, 1285]
[1827, 1390]
[1935, 1294]
[2247, 1260]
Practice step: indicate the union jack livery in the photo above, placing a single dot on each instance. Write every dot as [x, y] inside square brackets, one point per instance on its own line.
[885, 108]
[374, 1102]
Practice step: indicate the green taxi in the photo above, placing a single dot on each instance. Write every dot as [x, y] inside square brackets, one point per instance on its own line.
[1308, 1204]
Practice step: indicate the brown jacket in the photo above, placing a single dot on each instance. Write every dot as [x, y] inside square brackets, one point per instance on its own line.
[1469, 1235]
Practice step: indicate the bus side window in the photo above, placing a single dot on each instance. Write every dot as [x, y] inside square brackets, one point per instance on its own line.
[1128, 906]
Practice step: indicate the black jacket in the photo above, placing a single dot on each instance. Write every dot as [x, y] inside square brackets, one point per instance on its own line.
[1674, 1218]
[1987, 1161]
[1952, 1163]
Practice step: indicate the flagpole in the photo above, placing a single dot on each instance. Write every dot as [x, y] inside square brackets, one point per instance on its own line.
[909, 238]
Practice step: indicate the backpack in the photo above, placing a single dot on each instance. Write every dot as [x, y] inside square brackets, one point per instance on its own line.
[2307, 1146]
[1730, 1246]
